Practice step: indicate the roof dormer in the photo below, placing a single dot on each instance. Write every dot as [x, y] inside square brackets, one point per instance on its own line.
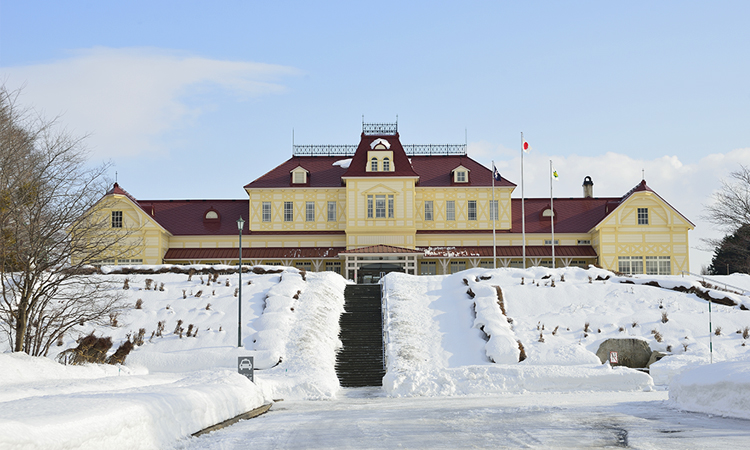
[380, 160]
[300, 176]
[460, 175]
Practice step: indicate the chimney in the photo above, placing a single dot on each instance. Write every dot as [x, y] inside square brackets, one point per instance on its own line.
[588, 187]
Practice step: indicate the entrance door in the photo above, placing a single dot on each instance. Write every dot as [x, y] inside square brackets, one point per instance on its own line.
[372, 273]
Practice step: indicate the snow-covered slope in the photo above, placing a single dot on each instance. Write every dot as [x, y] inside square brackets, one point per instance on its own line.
[446, 335]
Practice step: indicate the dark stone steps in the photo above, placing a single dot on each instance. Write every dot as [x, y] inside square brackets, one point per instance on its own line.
[360, 362]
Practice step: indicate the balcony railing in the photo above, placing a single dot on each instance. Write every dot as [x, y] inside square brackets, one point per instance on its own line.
[411, 150]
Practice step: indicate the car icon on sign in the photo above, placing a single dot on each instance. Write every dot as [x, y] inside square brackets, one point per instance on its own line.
[245, 364]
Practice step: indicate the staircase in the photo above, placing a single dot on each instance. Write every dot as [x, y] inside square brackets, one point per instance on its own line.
[360, 362]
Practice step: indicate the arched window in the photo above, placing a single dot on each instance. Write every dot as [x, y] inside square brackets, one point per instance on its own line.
[374, 165]
[386, 164]
[212, 215]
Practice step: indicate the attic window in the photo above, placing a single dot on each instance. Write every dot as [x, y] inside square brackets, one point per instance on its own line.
[460, 174]
[386, 164]
[211, 216]
[374, 165]
[547, 213]
[299, 178]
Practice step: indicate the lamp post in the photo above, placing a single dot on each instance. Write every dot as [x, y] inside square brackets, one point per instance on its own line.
[240, 224]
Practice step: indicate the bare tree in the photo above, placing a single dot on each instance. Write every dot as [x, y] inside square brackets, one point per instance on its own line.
[730, 210]
[52, 225]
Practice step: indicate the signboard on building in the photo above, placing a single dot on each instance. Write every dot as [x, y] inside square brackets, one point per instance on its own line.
[246, 366]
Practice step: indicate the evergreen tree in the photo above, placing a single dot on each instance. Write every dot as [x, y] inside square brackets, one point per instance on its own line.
[733, 253]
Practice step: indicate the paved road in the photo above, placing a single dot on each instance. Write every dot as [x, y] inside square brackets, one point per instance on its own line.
[363, 418]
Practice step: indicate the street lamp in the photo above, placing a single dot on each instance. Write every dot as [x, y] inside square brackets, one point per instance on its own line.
[240, 224]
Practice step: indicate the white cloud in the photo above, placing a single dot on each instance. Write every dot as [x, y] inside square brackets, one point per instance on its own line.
[126, 98]
[687, 187]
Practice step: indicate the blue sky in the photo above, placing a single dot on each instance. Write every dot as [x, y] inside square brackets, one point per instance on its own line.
[195, 99]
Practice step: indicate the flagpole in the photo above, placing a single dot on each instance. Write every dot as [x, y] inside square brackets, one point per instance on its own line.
[494, 219]
[552, 210]
[523, 209]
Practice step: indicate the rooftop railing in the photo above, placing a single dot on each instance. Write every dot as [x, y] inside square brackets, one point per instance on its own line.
[411, 150]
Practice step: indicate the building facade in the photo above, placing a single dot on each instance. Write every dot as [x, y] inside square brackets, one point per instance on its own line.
[379, 206]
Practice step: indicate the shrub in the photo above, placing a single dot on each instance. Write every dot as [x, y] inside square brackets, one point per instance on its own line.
[541, 336]
[500, 299]
[635, 324]
[90, 349]
[554, 332]
[126, 284]
[199, 293]
[745, 332]
[522, 352]
[208, 307]
[190, 274]
[236, 291]
[466, 282]
[622, 329]
[664, 318]
[139, 304]
[657, 335]
[161, 287]
[226, 283]
[113, 319]
[138, 340]
[522, 281]
[586, 328]
[202, 282]
[149, 282]
[184, 294]
[216, 276]
[190, 330]
[718, 331]
[470, 293]
[178, 327]
[160, 328]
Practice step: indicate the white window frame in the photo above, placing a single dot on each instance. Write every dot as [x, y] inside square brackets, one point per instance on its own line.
[386, 164]
[391, 202]
[266, 211]
[370, 206]
[374, 164]
[310, 211]
[116, 219]
[494, 210]
[642, 216]
[428, 210]
[380, 207]
[471, 207]
[288, 211]
[450, 210]
[332, 212]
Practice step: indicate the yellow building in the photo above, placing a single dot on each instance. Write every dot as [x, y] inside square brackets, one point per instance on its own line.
[424, 209]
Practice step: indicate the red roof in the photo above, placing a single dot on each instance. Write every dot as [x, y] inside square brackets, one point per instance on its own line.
[187, 217]
[382, 249]
[252, 253]
[574, 215]
[436, 171]
[433, 171]
[322, 173]
[561, 251]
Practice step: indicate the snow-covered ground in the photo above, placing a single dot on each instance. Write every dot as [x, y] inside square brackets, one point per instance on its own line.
[441, 342]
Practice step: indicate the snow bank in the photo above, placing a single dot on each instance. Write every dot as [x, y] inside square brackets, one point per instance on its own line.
[497, 379]
[721, 388]
[91, 407]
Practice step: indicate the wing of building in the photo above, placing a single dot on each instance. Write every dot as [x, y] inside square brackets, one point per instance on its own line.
[424, 209]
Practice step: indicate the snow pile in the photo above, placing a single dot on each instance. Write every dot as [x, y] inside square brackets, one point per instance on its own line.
[309, 357]
[721, 388]
[441, 341]
[92, 407]
[502, 347]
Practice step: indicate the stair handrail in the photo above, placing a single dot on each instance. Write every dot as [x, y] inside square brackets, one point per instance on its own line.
[384, 318]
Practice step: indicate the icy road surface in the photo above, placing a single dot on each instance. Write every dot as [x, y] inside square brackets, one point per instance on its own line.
[364, 418]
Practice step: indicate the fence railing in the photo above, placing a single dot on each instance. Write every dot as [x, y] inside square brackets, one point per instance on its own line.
[727, 286]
